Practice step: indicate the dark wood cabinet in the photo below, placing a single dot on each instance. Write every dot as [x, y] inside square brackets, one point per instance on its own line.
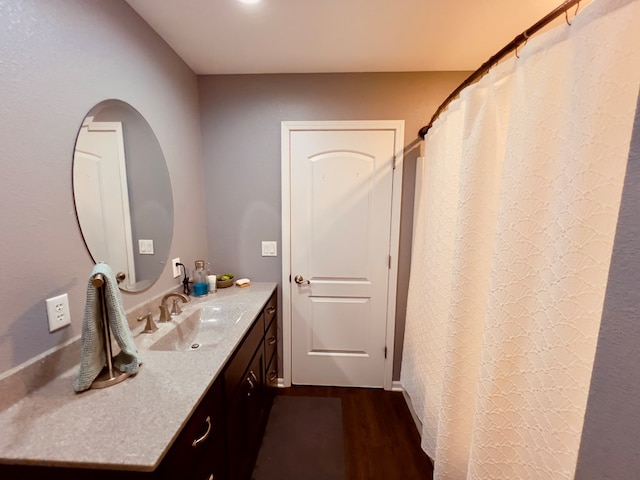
[249, 380]
[250, 394]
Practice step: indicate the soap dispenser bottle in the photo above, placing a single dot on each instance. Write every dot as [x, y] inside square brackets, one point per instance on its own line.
[200, 280]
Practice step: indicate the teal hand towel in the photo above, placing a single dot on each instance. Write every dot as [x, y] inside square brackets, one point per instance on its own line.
[93, 355]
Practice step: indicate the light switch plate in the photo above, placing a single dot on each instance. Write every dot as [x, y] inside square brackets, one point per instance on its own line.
[145, 247]
[269, 249]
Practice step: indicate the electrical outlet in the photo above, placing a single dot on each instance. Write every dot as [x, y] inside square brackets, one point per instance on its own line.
[176, 268]
[58, 312]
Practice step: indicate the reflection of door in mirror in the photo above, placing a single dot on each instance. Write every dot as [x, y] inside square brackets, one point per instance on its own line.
[100, 176]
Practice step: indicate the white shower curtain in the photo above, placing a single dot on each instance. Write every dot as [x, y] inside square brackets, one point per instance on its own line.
[513, 234]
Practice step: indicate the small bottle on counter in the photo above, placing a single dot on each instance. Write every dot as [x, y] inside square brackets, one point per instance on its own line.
[213, 287]
[200, 280]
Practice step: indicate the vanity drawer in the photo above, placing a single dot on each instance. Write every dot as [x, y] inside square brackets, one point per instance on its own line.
[271, 340]
[270, 310]
[272, 372]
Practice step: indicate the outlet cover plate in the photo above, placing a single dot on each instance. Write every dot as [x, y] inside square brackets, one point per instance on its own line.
[176, 268]
[58, 312]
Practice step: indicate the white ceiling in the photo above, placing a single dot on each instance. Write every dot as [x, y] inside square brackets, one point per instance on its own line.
[305, 36]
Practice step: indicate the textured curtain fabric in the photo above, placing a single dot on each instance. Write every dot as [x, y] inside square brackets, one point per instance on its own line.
[513, 234]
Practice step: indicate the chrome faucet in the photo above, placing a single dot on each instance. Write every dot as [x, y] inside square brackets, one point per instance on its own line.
[175, 308]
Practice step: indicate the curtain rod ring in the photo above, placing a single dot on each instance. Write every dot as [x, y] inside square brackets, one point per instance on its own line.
[566, 15]
[526, 39]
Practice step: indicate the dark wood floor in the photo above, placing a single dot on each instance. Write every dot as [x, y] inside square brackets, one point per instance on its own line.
[380, 438]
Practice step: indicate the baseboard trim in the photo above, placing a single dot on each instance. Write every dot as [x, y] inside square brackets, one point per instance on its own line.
[396, 386]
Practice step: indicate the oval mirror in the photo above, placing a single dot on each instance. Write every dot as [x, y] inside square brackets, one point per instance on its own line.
[122, 193]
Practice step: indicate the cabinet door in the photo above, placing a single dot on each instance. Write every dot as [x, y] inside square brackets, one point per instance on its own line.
[214, 465]
[246, 419]
[237, 443]
[234, 373]
[255, 399]
[197, 441]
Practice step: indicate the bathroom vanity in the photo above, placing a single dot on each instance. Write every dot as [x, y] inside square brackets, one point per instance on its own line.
[196, 410]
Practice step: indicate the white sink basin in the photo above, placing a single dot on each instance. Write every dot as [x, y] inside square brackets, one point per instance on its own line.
[202, 329]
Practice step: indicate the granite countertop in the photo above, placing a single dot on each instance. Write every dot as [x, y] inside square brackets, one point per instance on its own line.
[130, 425]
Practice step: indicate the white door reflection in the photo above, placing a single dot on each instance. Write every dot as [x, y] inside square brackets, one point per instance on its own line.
[100, 180]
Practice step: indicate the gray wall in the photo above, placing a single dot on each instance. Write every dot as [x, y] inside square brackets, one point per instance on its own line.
[241, 117]
[609, 447]
[58, 59]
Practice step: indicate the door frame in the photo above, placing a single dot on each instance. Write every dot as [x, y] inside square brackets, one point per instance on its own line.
[287, 127]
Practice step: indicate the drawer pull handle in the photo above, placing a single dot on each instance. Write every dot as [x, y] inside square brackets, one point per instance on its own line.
[271, 310]
[272, 340]
[251, 386]
[206, 434]
[253, 375]
[273, 376]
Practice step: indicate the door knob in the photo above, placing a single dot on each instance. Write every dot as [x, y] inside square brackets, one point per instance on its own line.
[301, 281]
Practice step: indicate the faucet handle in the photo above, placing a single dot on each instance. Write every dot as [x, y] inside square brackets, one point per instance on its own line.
[164, 314]
[150, 327]
[175, 308]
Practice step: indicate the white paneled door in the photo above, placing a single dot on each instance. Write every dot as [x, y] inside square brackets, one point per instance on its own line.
[341, 251]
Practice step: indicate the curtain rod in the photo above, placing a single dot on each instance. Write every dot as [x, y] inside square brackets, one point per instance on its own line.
[506, 50]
